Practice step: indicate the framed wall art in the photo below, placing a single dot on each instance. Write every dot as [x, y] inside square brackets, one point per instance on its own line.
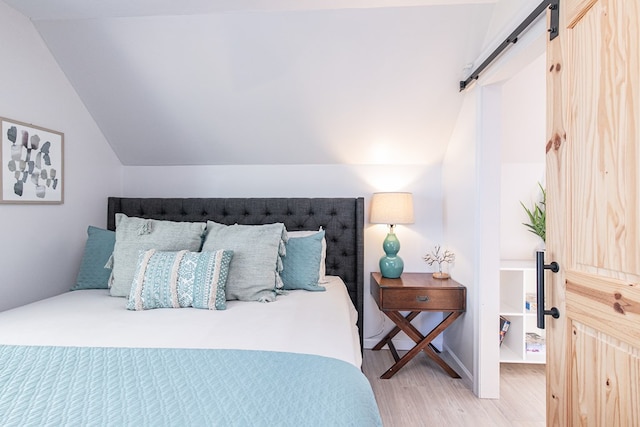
[32, 160]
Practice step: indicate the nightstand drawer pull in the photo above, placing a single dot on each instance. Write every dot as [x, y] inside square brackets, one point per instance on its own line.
[424, 298]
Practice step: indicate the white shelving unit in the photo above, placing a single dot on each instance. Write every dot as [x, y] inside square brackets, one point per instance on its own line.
[517, 304]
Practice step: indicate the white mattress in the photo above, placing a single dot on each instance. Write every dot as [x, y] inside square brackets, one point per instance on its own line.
[322, 323]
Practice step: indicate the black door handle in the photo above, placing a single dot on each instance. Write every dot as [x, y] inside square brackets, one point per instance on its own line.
[540, 268]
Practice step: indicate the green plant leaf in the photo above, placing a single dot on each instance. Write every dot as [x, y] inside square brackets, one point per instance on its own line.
[537, 216]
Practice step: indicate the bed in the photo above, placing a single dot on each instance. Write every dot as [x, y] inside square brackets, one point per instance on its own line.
[83, 358]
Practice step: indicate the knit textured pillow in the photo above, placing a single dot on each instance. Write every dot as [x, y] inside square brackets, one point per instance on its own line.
[134, 234]
[254, 274]
[301, 264]
[323, 257]
[99, 246]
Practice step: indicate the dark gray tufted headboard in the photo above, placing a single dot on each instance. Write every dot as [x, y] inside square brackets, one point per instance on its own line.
[342, 219]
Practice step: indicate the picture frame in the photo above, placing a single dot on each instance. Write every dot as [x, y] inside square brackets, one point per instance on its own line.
[32, 162]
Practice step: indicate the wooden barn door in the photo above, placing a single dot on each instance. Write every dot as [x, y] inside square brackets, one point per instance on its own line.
[593, 215]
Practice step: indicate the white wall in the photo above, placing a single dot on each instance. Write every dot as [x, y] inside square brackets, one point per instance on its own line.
[523, 157]
[42, 244]
[459, 177]
[471, 206]
[318, 181]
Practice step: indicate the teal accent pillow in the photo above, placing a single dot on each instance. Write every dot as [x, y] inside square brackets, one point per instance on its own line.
[180, 279]
[305, 233]
[99, 246]
[257, 250]
[136, 234]
[301, 264]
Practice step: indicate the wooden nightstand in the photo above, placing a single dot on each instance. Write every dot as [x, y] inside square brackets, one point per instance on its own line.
[417, 292]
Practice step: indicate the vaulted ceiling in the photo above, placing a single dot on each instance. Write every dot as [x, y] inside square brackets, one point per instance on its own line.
[204, 82]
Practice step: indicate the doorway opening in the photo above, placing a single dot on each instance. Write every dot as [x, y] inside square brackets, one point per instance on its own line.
[522, 184]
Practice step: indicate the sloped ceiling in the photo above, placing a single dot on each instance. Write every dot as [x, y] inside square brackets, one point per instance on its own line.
[267, 81]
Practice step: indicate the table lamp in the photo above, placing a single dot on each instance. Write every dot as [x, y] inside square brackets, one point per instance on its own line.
[391, 209]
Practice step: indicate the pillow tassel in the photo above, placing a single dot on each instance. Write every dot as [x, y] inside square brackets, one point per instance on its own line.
[145, 228]
[279, 284]
[109, 264]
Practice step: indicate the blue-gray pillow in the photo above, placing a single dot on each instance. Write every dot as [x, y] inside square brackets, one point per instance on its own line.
[97, 250]
[134, 234]
[180, 279]
[257, 250]
[301, 264]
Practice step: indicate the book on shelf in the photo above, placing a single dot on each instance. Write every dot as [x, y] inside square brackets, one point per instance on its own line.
[504, 327]
[534, 343]
[531, 302]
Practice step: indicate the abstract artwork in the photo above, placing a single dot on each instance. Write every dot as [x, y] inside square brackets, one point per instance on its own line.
[31, 158]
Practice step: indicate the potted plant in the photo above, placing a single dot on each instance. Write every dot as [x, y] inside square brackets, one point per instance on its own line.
[537, 216]
[439, 257]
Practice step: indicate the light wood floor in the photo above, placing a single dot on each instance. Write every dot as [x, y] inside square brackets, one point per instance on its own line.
[422, 394]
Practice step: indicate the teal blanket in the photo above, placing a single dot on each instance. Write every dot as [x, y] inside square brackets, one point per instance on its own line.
[74, 386]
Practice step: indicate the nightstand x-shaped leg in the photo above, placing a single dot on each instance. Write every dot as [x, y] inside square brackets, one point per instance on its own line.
[422, 342]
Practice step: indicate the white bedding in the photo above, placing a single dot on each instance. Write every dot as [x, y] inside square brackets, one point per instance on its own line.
[322, 323]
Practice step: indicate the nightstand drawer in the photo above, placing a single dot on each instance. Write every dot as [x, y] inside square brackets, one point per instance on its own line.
[423, 299]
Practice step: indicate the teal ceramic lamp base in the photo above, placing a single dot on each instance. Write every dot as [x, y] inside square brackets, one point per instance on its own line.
[391, 265]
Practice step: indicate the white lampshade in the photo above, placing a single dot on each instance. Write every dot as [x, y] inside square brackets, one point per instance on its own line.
[392, 208]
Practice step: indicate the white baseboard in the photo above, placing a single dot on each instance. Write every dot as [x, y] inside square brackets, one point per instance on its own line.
[464, 373]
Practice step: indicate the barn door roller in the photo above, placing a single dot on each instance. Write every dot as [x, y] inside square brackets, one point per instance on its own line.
[554, 22]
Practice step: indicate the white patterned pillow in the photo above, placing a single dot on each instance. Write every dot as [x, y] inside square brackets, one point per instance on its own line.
[180, 279]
